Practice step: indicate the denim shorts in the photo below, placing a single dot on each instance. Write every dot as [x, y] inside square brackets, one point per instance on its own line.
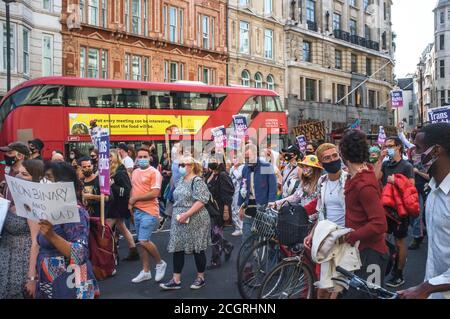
[145, 224]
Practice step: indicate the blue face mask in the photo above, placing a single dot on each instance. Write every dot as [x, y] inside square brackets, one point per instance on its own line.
[143, 163]
[182, 171]
[391, 152]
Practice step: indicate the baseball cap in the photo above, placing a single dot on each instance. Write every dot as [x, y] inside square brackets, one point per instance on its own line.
[293, 150]
[37, 143]
[20, 147]
[123, 146]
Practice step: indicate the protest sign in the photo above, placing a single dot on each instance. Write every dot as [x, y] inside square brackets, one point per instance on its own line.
[240, 125]
[301, 141]
[220, 138]
[381, 136]
[440, 114]
[397, 99]
[103, 163]
[4, 205]
[55, 202]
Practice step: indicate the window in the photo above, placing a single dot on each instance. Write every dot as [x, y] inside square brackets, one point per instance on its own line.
[82, 62]
[336, 21]
[352, 27]
[384, 10]
[311, 11]
[47, 55]
[127, 15]
[371, 101]
[410, 105]
[136, 16]
[352, 3]
[411, 120]
[145, 17]
[354, 62]
[173, 20]
[442, 97]
[244, 45]
[441, 17]
[206, 75]
[173, 24]
[47, 5]
[270, 82]
[366, 4]
[146, 69]
[127, 66]
[104, 65]
[268, 7]
[205, 32]
[93, 65]
[173, 71]
[268, 44]
[338, 59]
[12, 49]
[136, 68]
[104, 14]
[245, 78]
[367, 32]
[258, 80]
[26, 51]
[441, 42]
[273, 104]
[442, 69]
[81, 6]
[310, 88]
[350, 96]
[368, 67]
[340, 93]
[307, 51]
[93, 12]
[243, 2]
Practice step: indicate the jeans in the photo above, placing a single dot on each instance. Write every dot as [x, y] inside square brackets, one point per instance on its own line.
[417, 222]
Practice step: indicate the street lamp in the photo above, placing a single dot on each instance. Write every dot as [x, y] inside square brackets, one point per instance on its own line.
[8, 44]
[420, 66]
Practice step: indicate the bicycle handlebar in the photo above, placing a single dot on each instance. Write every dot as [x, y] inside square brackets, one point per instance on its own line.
[346, 273]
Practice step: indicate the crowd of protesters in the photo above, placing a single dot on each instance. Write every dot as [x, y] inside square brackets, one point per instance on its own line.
[353, 184]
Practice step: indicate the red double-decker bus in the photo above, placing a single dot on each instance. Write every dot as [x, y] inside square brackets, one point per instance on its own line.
[58, 110]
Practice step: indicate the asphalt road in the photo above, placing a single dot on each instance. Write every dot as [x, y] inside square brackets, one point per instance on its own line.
[220, 283]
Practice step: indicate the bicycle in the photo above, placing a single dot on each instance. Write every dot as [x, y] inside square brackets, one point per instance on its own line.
[372, 290]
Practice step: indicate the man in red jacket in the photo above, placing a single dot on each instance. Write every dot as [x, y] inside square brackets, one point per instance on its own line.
[363, 211]
[395, 164]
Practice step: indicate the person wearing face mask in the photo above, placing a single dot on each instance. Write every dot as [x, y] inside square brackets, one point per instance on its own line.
[398, 227]
[18, 245]
[309, 174]
[374, 154]
[91, 188]
[289, 181]
[15, 154]
[310, 149]
[236, 177]
[432, 143]
[36, 147]
[144, 206]
[221, 188]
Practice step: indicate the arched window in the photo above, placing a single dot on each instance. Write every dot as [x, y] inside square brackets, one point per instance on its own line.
[270, 82]
[245, 78]
[258, 81]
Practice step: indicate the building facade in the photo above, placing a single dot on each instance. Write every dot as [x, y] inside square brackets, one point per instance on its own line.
[442, 53]
[339, 63]
[36, 42]
[149, 40]
[256, 44]
[409, 113]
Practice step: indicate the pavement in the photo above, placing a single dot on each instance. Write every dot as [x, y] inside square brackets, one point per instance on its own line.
[220, 283]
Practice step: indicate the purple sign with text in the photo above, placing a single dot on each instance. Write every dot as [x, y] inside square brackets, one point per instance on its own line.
[103, 163]
[397, 98]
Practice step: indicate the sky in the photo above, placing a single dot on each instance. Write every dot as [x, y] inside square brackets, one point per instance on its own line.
[413, 22]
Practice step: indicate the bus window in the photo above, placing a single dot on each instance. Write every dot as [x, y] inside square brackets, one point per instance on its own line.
[160, 100]
[90, 97]
[273, 104]
[253, 104]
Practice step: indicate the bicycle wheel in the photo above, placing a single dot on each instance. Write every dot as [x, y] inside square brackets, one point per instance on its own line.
[290, 279]
[246, 246]
[260, 260]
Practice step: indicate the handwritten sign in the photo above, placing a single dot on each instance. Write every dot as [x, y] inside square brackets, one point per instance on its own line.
[4, 205]
[103, 163]
[54, 202]
[220, 138]
[301, 140]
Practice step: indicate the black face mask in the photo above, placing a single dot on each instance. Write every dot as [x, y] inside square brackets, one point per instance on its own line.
[309, 153]
[87, 173]
[10, 160]
[333, 167]
[213, 166]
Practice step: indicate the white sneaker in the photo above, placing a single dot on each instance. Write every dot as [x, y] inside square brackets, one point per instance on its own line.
[236, 233]
[142, 277]
[160, 271]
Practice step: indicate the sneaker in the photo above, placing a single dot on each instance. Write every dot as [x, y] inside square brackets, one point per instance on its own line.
[171, 285]
[160, 271]
[142, 277]
[395, 281]
[198, 283]
[236, 233]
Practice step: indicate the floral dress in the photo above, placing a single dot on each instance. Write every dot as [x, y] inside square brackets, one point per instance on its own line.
[60, 278]
[15, 244]
[196, 235]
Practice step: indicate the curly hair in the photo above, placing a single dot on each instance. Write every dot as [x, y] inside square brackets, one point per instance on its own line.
[354, 146]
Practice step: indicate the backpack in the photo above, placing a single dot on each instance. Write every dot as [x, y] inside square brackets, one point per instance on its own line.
[212, 207]
[102, 249]
[226, 187]
[293, 224]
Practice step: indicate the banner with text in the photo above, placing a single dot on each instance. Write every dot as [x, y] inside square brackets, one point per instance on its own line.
[4, 206]
[397, 98]
[103, 163]
[381, 136]
[441, 114]
[301, 141]
[55, 202]
[220, 138]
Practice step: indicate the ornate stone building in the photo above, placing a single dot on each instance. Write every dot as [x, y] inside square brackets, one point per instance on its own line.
[256, 44]
[339, 62]
[150, 40]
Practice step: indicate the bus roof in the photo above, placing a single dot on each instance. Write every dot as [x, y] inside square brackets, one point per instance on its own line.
[127, 84]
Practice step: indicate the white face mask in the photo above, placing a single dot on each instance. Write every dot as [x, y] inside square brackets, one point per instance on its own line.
[44, 180]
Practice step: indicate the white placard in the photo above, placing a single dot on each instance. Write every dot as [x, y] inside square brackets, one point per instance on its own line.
[4, 205]
[55, 202]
